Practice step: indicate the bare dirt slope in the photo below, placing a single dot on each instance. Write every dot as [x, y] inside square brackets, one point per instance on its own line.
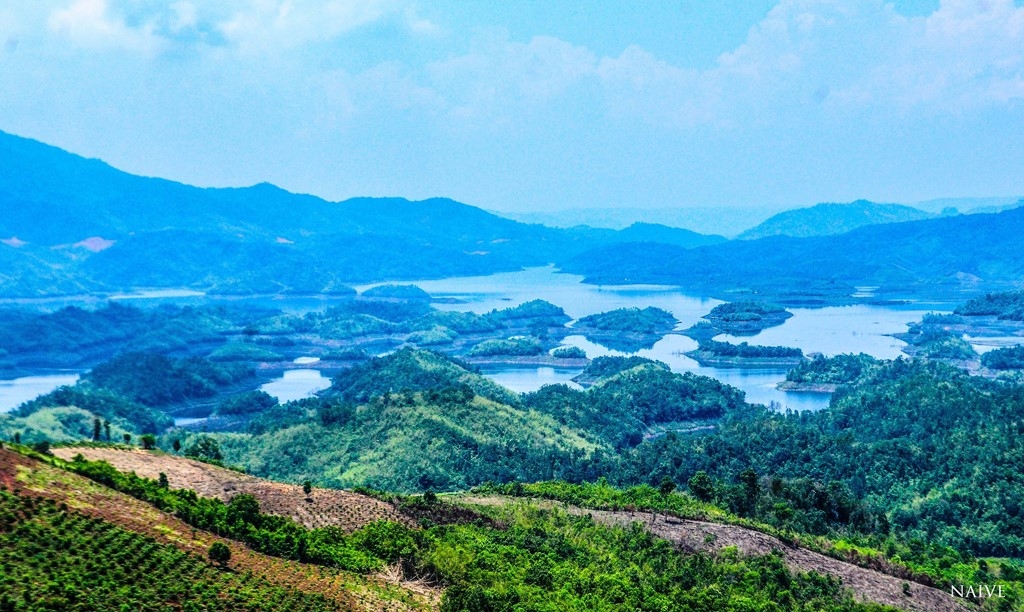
[347, 510]
[383, 592]
[867, 585]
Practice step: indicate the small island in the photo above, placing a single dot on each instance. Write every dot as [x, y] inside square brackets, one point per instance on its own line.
[396, 292]
[627, 329]
[743, 355]
[824, 374]
[1008, 358]
[520, 350]
[940, 337]
[744, 318]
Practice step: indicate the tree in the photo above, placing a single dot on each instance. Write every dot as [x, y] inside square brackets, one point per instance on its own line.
[667, 486]
[106, 430]
[220, 553]
[148, 441]
[751, 489]
[205, 448]
[163, 484]
[96, 426]
[702, 487]
[176, 445]
[245, 508]
[127, 438]
[307, 488]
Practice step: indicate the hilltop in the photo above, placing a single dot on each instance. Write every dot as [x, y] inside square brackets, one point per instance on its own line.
[828, 219]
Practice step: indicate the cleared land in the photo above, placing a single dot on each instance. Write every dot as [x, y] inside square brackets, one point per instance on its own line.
[867, 585]
[347, 510]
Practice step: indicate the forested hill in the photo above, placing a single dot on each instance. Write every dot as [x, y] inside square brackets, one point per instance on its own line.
[951, 254]
[829, 219]
[72, 224]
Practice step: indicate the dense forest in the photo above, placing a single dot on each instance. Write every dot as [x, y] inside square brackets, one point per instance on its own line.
[1007, 305]
[894, 439]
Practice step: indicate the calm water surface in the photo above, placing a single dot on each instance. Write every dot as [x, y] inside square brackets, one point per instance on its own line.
[15, 392]
[831, 331]
[847, 329]
[296, 384]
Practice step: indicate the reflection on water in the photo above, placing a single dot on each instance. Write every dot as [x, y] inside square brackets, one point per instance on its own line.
[524, 379]
[831, 331]
[296, 384]
[485, 293]
[991, 343]
[14, 393]
[758, 384]
[839, 329]
[834, 330]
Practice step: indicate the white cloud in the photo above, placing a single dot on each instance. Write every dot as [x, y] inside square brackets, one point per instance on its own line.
[250, 26]
[265, 25]
[638, 84]
[499, 77]
[867, 56]
[88, 23]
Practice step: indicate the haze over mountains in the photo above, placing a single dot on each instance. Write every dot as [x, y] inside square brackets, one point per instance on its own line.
[830, 219]
[74, 225]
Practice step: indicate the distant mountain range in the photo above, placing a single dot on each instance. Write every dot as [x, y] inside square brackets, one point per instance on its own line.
[831, 219]
[733, 221]
[725, 220]
[947, 257]
[73, 225]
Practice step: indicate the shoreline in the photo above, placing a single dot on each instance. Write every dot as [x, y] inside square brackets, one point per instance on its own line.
[709, 359]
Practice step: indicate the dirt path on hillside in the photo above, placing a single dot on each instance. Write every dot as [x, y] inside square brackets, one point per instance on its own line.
[347, 510]
[866, 584]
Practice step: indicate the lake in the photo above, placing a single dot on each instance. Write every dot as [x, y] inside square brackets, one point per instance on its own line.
[296, 384]
[15, 392]
[860, 328]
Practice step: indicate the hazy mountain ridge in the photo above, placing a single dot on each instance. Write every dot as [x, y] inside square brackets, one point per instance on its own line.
[83, 226]
[828, 219]
[966, 253]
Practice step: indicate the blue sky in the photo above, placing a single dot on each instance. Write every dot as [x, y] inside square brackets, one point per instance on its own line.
[533, 105]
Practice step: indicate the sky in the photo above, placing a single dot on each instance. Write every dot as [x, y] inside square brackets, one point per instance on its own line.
[533, 105]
